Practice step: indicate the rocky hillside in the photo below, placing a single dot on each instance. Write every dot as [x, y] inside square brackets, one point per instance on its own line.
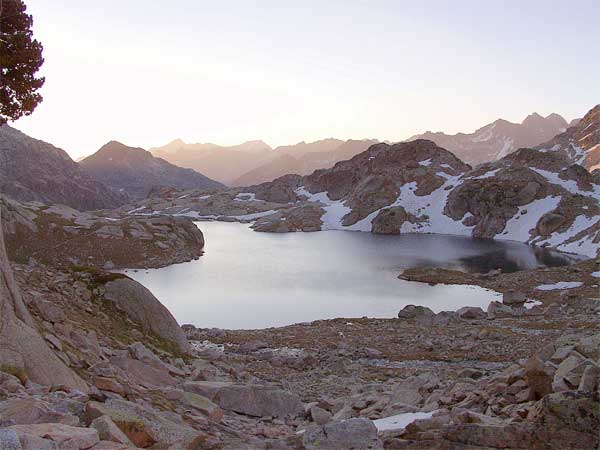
[417, 187]
[498, 139]
[33, 170]
[581, 142]
[65, 237]
[136, 172]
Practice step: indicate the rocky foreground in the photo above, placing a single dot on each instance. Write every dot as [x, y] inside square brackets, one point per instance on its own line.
[513, 376]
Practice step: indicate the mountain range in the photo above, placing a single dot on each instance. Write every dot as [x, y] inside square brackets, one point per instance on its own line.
[499, 138]
[255, 162]
[33, 170]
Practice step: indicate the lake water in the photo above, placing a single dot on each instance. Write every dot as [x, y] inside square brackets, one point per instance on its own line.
[251, 280]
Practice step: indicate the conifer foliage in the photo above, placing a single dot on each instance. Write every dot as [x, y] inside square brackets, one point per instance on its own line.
[20, 60]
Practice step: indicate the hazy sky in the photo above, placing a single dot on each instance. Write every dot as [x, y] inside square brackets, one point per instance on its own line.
[146, 72]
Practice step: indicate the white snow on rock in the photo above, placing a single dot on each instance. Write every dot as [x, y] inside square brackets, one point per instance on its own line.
[425, 163]
[253, 216]
[400, 421]
[133, 211]
[560, 285]
[246, 197]
[569, 185]
[531, 303]
[507, 146]
[596, 274]
[488, 174]
[584, 246]
[519, 226]
[335, 210]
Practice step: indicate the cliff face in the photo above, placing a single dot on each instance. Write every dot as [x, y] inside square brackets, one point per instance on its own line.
[33, 170]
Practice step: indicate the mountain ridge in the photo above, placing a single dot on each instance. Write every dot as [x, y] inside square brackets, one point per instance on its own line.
[137, 172]
[499, 138]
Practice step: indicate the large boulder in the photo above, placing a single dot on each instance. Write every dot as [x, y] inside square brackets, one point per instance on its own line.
[258, 401]
[142, 425]
[415, 312]
[390, 220]
[351, 434]
[143, 307]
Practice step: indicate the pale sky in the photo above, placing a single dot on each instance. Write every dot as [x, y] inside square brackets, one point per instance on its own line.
[146, 72]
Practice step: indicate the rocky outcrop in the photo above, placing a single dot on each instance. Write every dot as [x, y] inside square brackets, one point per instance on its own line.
[498, 139]
[63, 236]
[33, 170]
[136, 172]
[139, 304]
[390, 220]
[302, 218]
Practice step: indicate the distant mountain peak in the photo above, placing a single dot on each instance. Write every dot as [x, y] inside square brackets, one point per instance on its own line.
[499, 138]
[136, 171]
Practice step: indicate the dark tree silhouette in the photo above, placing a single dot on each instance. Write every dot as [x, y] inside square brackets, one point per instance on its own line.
[20, 59]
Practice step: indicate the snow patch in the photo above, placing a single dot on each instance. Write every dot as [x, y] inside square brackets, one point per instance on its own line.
[519, 226]
[400, 421]
[559, 285]
[488, 174]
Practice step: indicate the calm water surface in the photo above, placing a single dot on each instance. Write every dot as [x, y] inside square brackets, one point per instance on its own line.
[251, 280]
